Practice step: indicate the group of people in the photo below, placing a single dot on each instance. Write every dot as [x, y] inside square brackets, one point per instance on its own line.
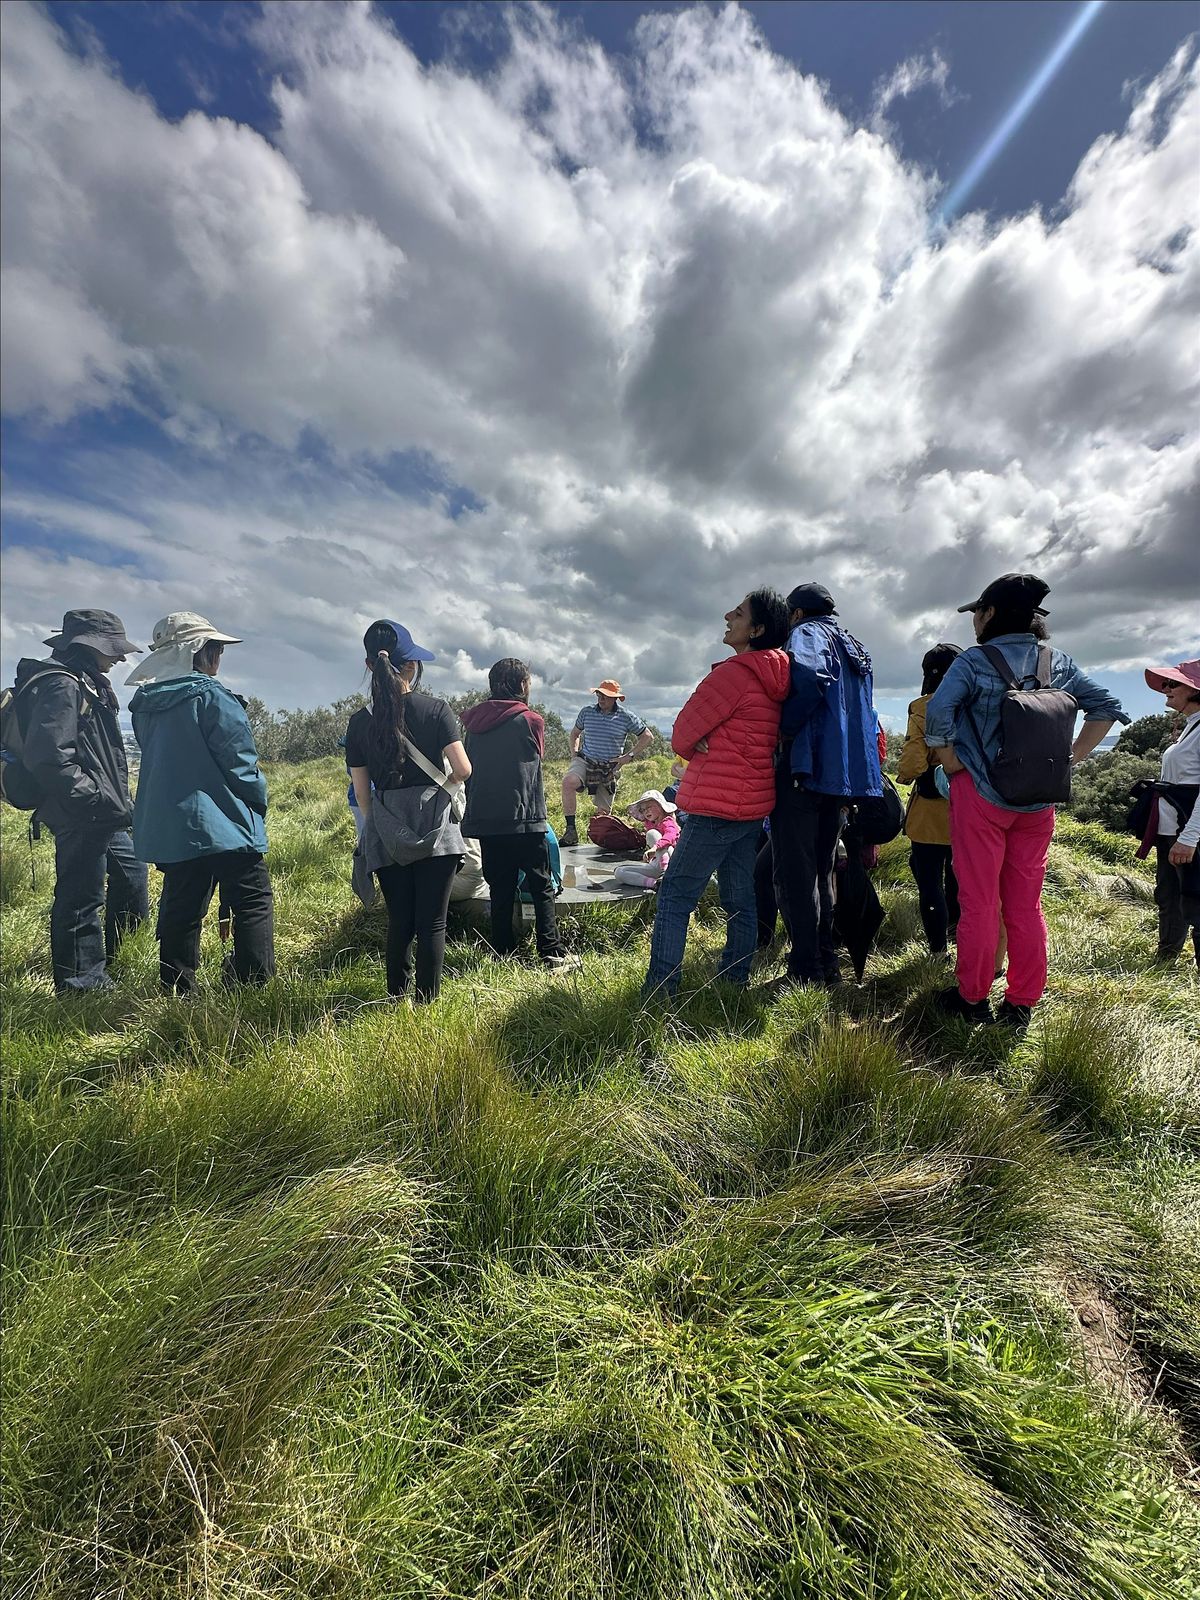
[782, 732]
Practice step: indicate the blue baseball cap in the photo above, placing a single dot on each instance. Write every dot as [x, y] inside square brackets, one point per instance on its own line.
[405, 647]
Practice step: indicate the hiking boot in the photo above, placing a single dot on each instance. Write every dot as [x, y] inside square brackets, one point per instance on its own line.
[568, 836]
[1011, 1016]
[951, 1003]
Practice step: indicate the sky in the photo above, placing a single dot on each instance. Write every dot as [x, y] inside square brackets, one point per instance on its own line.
[550, 331]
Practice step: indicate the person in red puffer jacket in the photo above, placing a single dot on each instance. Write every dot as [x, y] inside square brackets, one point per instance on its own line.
[727, 732]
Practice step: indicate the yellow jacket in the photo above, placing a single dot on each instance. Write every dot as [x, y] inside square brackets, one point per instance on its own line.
[925, 821]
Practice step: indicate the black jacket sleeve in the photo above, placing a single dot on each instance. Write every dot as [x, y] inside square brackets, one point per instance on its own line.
[52, 753]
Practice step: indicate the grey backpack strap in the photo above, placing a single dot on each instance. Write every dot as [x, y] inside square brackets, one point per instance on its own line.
[1045, 665]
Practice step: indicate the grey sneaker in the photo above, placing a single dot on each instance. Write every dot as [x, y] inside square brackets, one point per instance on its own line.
[561, 963]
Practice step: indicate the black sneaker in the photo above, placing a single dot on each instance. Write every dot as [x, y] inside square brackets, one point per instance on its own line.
[568, 836]
[951, 1003]
[1011, 1016]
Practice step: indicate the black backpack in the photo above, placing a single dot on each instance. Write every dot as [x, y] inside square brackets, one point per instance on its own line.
[18, 786]
[1037, 730]
[878, 818]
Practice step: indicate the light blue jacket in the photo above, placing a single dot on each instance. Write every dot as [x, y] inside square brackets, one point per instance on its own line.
[828, 714]
[964, 709]
[199, 789]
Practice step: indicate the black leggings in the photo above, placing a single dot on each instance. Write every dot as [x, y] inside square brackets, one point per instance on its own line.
[937, 892]
[418, 897]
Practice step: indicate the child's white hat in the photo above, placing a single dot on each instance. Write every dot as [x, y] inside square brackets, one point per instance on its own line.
[658, 797]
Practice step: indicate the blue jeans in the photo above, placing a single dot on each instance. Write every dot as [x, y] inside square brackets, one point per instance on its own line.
[80, 944]
[706, 845]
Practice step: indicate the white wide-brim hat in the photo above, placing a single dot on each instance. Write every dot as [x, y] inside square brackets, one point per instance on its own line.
[177, 637]
[656, 795]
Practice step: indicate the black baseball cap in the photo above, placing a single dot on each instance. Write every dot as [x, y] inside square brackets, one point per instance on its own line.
[939, 656]
[812, 598]
[1011, 592]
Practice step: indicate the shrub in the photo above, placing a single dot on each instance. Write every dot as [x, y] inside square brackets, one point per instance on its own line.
[1100, 787]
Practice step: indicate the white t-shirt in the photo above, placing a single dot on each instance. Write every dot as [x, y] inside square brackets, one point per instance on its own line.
[1181, 764]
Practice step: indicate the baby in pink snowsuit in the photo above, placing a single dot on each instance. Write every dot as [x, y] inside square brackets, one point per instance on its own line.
[657, 815]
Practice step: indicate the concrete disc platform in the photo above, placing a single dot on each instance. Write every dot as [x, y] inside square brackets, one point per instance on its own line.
[601, 886]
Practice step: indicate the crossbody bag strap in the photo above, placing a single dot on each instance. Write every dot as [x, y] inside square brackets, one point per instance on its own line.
[442, 778]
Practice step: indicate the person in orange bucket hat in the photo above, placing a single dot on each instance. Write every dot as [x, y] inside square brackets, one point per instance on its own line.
[598, 753]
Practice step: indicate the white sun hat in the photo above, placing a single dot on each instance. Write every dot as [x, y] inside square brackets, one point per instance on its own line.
[176, 639]
[658, 797]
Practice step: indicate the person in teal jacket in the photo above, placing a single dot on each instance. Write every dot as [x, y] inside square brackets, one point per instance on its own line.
[200, 804]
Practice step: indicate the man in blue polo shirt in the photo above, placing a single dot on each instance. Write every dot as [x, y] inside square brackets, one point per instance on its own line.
[598, 743]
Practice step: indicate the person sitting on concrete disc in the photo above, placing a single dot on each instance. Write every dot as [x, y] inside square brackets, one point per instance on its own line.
[598, 752]
[657, 815]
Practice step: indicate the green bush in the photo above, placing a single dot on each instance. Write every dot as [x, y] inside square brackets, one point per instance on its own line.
[1100, 787]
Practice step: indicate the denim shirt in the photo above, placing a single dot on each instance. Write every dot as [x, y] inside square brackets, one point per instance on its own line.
[965, 708]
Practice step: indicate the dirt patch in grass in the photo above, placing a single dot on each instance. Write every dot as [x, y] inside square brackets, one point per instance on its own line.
[1114, 1362]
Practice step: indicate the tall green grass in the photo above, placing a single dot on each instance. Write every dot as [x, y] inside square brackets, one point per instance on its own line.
[541, 1293]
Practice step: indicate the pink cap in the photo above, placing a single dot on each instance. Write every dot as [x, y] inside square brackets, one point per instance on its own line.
[1186, 672]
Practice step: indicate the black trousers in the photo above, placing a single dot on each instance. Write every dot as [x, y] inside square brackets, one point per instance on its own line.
[804, 837]
[937, 892]
[417, 898]
[1177, 912]
[504, 856]
[764, 893]
[188, 888]
[100, 895]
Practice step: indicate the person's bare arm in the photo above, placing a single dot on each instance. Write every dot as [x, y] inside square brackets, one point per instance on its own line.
[644, 740]
[576, 740]
[460, 763]
[1088, 738]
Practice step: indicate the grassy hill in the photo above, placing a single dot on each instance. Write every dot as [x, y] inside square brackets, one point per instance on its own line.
[532, 1294]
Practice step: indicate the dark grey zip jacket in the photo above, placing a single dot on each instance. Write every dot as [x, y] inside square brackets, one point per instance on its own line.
[504, 740]
[72, 746]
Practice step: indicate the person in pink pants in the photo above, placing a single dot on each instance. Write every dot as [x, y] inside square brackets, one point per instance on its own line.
[1000, 863]
[999, 849]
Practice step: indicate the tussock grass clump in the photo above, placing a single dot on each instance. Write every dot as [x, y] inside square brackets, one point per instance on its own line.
[667, 1431]
[139, 1373]
[1088, 1071]
[856, 1096]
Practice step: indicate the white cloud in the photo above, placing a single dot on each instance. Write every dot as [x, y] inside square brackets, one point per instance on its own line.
[910, 77]
[678, 326]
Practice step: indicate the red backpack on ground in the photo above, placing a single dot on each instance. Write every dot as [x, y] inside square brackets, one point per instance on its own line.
[610, 833]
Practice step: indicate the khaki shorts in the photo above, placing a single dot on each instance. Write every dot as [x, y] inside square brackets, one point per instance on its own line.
[577, 769]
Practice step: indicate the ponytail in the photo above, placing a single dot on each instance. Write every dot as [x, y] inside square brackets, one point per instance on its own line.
[389, 694]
